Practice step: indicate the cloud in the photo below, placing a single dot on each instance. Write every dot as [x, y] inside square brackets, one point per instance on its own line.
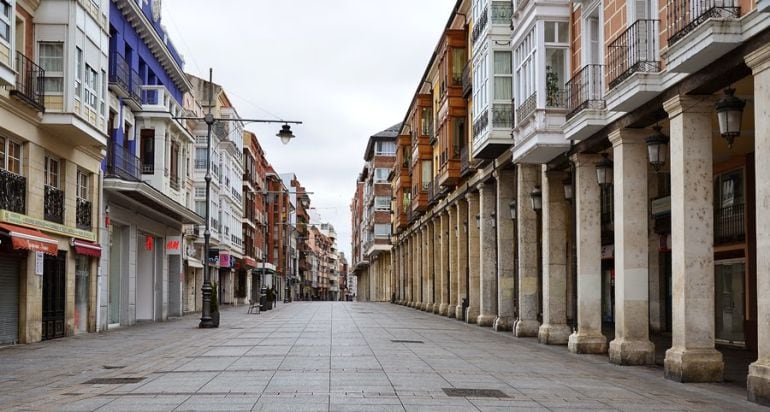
[346, 68]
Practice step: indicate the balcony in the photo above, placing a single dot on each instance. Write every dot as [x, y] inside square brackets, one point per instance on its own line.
[13, 193]
[465, 162]
[122, 163]
[633, 51]
[467, 80]
[700, 31]
[526, 108]
[480, 25]
[156, 98]
[730, 224]
[53, 205]
[29, 83]
[83, 213]
[585, 90]
[502, 11]
[125, 82]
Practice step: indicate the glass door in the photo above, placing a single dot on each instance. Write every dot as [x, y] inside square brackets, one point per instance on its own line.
[729, 301]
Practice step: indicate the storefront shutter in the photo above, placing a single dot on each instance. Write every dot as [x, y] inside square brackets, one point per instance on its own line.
[9, 301]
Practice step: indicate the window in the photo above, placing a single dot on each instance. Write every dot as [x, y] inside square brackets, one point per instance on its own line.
[10, 155]
[103, 93]
[382, 203]
[52, 172]
[200, 207]
[5, 20]
[426, 121]
[381, 230]
[459, 57]
[480, 79]
[503, 75]
[200, 192]
[524, 62]
[200, 157]
[385, 148]
[78, 73]
[52, 61]
[556, 70]
[83, 193]
[92, 87]
[381, 175]
[427, 174]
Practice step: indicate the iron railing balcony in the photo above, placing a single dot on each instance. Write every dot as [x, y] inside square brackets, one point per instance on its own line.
[465, 163]
[53, 204]
[730, 224]
[683, 16]
[585, 90]
[502, 11]
[122, 163]
[467, 81]
[13, 191]
[29, 83]
[83, 214]
[555, 99]
[502, 115]
[481, 124]
[480, 25]
[119, 72]
[526, 108]
[634, 51]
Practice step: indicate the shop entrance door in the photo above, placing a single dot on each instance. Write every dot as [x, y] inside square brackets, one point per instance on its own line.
[729, 301]
[54, 288]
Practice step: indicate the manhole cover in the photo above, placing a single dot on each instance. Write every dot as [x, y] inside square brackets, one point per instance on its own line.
[112, 381]
[406, 341]
[474, 393]
[113, 366]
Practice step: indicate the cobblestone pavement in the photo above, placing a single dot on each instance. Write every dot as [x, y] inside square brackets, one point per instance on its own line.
[332, 356]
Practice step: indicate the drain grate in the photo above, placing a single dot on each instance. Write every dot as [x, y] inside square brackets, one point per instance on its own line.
[112, 381]
[474, 393]
[406, 341]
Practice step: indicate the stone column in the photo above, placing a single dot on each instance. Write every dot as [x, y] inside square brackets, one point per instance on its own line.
[631, 345]
[472, 312]
[506, 184]
[430, 266]
[588, 338]
[554, 330]
[421, 266]
[412, 273]
[488, 258]
[759, 371]
[692, 356]
[451, 247]
[462, 256]
[436, 262]
[442, 269]
[529, 294]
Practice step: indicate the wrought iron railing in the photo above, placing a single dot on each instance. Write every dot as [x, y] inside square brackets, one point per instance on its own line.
[464, 160]
[53, 204]
[730, 224]
[83, 214]
[502, 11]
[481, 124]
[122, 163]
[480, 25]
[148, 167]
[633, 51]
[135, 89]
[526, 108]
[13, 191]
[585, 90]
[555, 98]
[29, 82]
[683, 16]
[467, 81]
[119, 72]
[502, 115]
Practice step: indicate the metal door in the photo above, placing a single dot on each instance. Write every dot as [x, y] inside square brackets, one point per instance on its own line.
[9, 300]
[54, 288]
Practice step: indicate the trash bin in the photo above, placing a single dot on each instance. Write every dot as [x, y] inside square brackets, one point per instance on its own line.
[263, 303]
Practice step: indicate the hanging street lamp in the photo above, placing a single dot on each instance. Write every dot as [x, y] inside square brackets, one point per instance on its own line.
[536, 196]
[512, 206]
[729, 113]
[604, 171]
[569, 189]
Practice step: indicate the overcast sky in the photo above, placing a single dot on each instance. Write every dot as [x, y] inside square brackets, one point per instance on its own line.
[346, 68]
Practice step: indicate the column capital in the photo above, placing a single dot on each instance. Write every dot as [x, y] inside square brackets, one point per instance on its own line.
[627, 136]
[759, 60]
[690, 104]
[585, 159]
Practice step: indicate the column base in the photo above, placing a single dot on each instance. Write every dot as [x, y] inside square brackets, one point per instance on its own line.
[471, 314]
[524, 328]
[410, 304]
[485, 320]
[427, 307]
[442, 309]
[451, 311]
[759, 382]
[459, 313]
[503, 324]
[693, 365]
[549, 334]
[632, 352]
[587, 343]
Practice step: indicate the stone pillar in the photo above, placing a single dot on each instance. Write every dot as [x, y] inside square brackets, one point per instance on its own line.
[429, 259]
[529, 294]
[461, 209]
[506, 184]
[411, 263]
[421, 267]
[631, 345]
[451, 247]
[588, 338]
[692, 356]
[488, 258]
[436, 262]
[472, 312]
[554, 330]
[759, 371]
[442, 269]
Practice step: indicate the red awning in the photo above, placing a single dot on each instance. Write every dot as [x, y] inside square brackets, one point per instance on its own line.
[30, 239]
[86, 248]
[250, 262]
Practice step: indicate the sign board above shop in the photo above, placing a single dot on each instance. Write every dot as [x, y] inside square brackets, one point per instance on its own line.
[45, 226]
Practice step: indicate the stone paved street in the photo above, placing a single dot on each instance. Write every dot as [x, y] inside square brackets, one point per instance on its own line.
[332, 356]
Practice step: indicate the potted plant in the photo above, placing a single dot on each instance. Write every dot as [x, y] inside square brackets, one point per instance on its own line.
[214, 305]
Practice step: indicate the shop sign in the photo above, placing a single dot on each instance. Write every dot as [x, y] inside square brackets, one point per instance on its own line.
[39, 260]
[45, 226]
[174, 245]
[224, 259]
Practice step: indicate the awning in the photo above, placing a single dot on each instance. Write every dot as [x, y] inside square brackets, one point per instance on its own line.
[30, 239]
[194, 263]
[86, 248]
[249, 262]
